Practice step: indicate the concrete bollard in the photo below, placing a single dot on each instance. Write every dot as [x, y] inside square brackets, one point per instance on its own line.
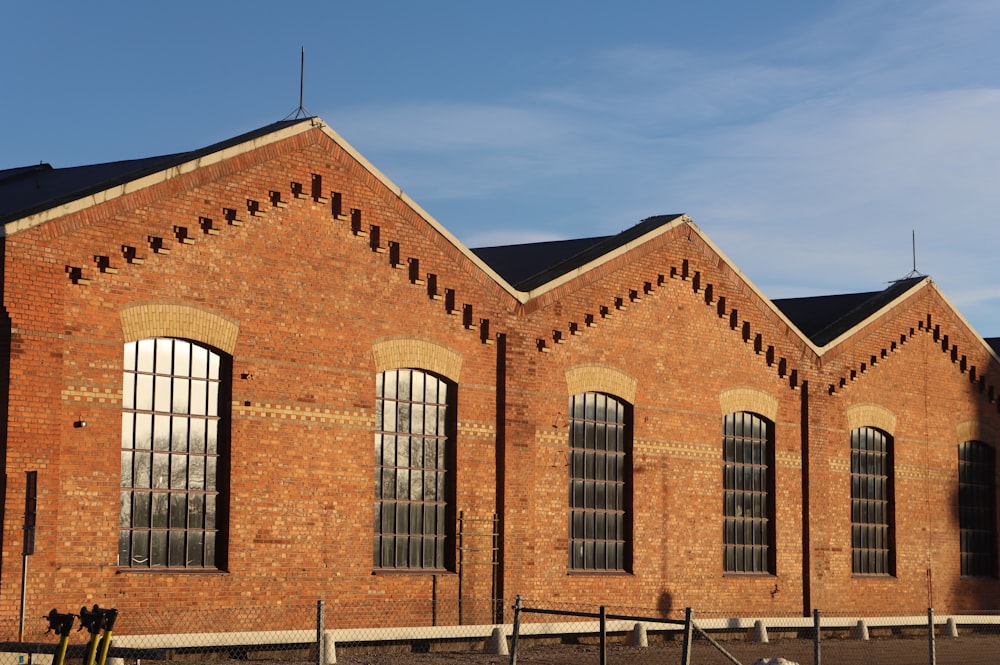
[860, 631]
[759, 632]
[638, 636]
[497, 644]
[329, 648]
[951, 628]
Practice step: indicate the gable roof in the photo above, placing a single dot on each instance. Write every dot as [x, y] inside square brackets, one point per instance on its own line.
[28, 190]
[531, 265]
[825, 318]
[993, 343]
[32, 194]
[517, 263]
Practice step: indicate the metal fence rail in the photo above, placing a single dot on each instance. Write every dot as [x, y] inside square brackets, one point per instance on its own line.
[528, 632]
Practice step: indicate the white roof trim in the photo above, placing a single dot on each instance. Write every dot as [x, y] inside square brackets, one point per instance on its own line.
[878, 313]
[962, 318]
[521, 296]
[131, 186]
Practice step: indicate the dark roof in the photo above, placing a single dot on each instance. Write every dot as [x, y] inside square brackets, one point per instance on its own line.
[516, 263]
[824, 318]
[528, 266]
[32, 189]
[994, 343]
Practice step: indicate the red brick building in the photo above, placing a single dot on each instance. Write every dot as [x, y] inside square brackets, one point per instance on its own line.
[259, 370]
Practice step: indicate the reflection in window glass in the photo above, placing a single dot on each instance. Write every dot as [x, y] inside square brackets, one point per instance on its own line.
[599, 487]
[977, 509]
[871, 502]
[413, 442]
[747, 505]
[162, 517]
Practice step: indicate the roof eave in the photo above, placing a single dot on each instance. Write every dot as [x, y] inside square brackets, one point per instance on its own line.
[520, 296]
[878, 313]
[102, 196]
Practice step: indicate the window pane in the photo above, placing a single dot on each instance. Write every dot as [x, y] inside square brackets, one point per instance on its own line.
[178, 511]
[180, 396]
[140, 548]
[158, 549]
[126, 479]
[143, 392]
[182, 358]
[140, 509]
[161, 432]
[199, 361]
[161, 471]
[145, 350]
[199, 398]
[176, 553]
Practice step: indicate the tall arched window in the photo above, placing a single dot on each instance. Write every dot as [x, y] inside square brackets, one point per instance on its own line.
[872, 522]
[599, 482]
[172, 458]
[748, 493]
[977, 509]
[414, 442]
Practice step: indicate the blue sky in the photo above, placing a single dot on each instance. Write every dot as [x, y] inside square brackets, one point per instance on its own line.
[809, 140]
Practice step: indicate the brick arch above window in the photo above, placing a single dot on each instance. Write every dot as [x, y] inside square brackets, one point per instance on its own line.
[399, 352]
[179, 320]
[745, 398]
[601, 379]
[976, 430]
[871, 415]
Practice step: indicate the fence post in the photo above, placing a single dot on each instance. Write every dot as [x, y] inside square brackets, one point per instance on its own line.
[817, 653]
[930, 636]
[326, 650]
[688, 623]
[517, 629]
[604, 636]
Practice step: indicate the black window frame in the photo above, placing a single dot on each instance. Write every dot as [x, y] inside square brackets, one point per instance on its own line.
[432, 548]
[748, 505]
[977, 509]
[599, 531]
[174, 487]
[873, 524]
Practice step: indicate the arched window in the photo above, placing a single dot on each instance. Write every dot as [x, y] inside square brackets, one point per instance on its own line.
[172, 458]
[599, 482]
[748, 493]
[872, 523]
[414, 449]
[977, 509]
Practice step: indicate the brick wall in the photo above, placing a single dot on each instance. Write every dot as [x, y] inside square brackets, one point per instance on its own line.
[311, 304]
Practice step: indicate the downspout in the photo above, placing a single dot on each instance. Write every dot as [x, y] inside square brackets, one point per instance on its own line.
[500, 459]
[807, 607]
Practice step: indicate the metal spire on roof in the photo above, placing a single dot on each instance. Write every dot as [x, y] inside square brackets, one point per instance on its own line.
[301, 111]
[913, 273]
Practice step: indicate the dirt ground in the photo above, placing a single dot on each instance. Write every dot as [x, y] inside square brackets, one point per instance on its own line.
[964, 650]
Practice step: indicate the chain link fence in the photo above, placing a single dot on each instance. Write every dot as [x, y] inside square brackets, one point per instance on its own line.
[519, 632]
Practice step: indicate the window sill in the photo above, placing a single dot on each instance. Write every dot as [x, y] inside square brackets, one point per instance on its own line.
[751, 574]
[598, 573]
[412, 571]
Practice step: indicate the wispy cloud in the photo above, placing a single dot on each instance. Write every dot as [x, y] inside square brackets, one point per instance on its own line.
[809, 160]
